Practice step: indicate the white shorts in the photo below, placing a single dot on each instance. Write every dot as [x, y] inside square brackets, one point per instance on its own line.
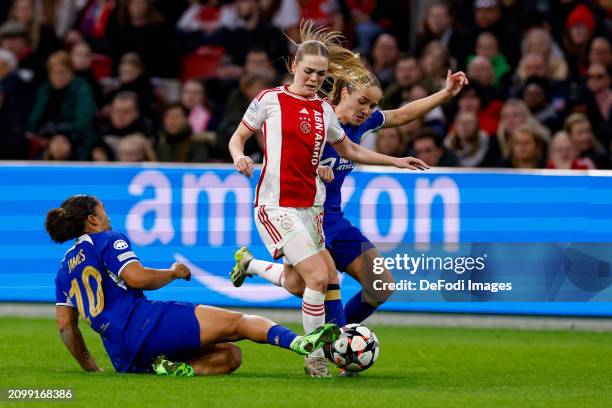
[295, 233]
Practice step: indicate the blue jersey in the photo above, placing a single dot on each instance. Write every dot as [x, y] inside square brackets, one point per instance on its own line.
[342, 167]
[89, 279]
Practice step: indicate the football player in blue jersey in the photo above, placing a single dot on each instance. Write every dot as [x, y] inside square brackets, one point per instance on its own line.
[102, 280]
[351, 251]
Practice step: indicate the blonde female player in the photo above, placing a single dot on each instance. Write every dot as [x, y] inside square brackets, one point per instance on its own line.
[351, 251]
[289, 198]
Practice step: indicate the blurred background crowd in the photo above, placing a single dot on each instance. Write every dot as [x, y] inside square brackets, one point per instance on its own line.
[169, 80]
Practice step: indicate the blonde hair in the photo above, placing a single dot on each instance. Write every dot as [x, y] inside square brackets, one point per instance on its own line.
[504, 136]
[573, 120]
[345, 67]
[142, 144]
[59, 58]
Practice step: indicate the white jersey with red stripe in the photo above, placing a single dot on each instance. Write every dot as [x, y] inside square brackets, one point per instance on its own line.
[295, 130]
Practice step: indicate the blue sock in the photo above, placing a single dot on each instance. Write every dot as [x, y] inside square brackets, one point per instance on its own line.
[281, 336]
[334, 313]
[357, 309]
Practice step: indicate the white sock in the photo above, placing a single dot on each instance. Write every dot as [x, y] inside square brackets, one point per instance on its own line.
[270, 271]
[313, 309]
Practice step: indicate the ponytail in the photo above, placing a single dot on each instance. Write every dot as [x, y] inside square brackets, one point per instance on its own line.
[344, 67]
[68, 221]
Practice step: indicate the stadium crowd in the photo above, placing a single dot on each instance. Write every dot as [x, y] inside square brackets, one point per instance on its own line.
[169, 80]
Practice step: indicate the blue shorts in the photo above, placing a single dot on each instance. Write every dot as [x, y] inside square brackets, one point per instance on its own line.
[176, 335]
[343, 240]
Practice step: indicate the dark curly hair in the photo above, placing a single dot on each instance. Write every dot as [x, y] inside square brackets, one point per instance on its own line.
[68, 220]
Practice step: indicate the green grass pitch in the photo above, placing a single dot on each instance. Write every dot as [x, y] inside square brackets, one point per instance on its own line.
[418, 367]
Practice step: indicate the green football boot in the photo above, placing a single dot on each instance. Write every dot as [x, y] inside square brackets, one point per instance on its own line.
[239, 273]
[319, 337]
[161, 366]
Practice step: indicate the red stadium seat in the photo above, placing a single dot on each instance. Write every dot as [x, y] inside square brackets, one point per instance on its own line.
[101, 65]
[202, 63]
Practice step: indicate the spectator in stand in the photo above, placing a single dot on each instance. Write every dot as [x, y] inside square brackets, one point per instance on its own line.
[15, 39]
[95, 25]
[434, 119]
[42, 36]
[488, 47]
[15, 102]
[580, 131]
[601, 52]
[391, 142]
[324, 13]
[80, 56]
[124, 119]
[59, 149]
[479, 100]
[536, 95]
[481, 70]
[61, 15]
[383, 57]
[514, 114]
[101, 152]
[176, 142]
[133, 78]
[438, 25]
[435, 62]
[407, 73]
[562, 154]
[64, 104]
[135, 148]
[429, 147]
[252, 31]
[488, 17]
[143, 30]
[284, 15]
[579, 29]
[366, 29]
[257, 59]
[527, 149]
[237, 103]
[201, 21]
[539, 41]
[201, 114]
[472, 145]
[599, 102]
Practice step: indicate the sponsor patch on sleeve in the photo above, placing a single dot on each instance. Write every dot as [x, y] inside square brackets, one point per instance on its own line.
[126, 255]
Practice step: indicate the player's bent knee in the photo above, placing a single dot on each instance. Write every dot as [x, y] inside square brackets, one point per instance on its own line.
[234, 357]
[318, 281]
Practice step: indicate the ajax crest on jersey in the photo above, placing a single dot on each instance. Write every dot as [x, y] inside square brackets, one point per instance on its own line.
[356, 349]
[305, 127]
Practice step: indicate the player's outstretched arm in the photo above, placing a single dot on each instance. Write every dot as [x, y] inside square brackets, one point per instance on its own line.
[413, 110]
[359, 154]
[67, 324]
[243, 163]
[138, 277]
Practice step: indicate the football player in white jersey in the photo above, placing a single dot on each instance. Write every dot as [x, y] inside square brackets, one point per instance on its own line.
[296, 124]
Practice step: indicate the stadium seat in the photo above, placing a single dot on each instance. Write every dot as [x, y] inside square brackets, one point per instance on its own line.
[202, 63]
[101, 65]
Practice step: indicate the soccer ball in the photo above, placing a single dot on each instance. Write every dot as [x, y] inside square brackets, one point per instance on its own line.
[356, 349]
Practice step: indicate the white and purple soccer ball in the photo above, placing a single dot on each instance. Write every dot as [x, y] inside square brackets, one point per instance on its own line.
[356, 349]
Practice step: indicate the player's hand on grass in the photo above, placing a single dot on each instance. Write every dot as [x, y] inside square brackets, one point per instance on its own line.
[244, 165]
[411, 163]
[181, 271]
[326, 173]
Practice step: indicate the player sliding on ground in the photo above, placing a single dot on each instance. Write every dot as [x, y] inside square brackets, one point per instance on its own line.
[351, 251]
[101, 279]
[296, 124]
